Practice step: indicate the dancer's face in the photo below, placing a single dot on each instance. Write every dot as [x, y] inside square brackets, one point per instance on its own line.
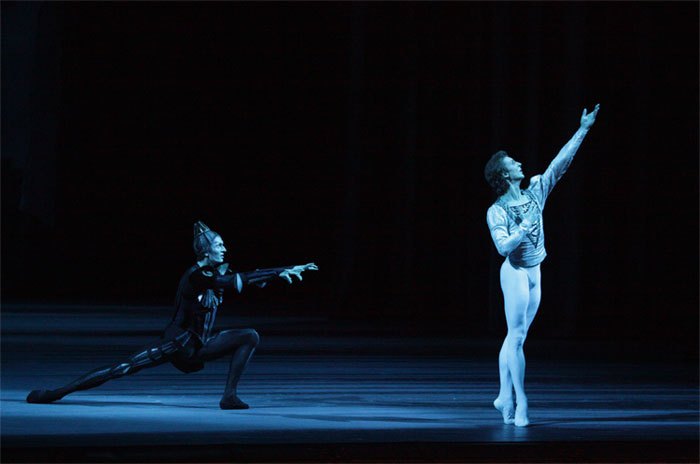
[216, 251]
[512, 169]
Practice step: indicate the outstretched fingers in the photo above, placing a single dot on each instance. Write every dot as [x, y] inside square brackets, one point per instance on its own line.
[296, 271]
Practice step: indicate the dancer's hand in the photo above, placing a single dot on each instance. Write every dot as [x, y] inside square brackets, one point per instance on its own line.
[525, 226]
[587, 119]
[296, 271]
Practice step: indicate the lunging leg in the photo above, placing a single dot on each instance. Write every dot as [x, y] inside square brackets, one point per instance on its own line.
[241, 343]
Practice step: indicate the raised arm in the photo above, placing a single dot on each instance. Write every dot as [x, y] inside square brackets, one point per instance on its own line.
[563, 160]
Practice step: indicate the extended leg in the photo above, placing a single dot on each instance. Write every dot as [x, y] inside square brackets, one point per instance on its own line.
[515, 285]
[241, 343]
[150, 356]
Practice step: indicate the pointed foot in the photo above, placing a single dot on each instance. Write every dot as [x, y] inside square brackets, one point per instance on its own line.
[232, 402]
[42, 396]
[505, 406]
[521, 419]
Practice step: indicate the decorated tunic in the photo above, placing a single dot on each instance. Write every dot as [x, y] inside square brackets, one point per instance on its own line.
[504, 220]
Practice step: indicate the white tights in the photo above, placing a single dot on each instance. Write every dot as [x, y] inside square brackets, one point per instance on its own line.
[521, 295]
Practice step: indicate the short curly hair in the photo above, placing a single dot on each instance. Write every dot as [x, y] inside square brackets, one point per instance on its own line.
[494, 173]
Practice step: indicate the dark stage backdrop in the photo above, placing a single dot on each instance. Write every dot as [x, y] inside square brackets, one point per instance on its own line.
[354, 135]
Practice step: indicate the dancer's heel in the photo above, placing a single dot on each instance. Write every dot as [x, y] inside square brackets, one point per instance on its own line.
[521, 419]
[506, 409]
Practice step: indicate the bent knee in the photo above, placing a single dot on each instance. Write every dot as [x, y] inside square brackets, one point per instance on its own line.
[252, 337]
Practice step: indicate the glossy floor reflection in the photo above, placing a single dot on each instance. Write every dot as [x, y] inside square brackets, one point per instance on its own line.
[314, 398]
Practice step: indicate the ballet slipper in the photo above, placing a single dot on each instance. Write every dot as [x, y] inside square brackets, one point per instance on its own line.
[232, 402]
[42, 396]
[506, 409]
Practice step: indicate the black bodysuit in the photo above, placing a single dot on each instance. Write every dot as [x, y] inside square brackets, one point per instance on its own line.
[199, 294]
[201, 291]
[188, 341]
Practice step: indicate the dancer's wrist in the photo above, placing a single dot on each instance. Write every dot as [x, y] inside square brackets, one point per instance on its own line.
[524, 227]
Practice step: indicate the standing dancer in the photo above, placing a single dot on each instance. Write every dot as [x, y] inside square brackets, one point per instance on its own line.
[515, 222]
[188, 340]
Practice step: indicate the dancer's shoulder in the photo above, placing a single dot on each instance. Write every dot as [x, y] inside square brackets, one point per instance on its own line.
[496, 214]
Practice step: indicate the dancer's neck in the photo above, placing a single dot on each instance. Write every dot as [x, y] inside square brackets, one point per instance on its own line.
[513, 194]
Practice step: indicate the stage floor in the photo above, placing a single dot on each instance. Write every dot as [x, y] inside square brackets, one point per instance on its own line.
[337, 398]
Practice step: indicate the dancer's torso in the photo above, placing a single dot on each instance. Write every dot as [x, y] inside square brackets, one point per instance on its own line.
[190, 312]
[531, 251]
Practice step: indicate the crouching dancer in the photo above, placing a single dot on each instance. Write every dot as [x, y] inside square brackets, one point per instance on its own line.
[188, 341]
[515, 222]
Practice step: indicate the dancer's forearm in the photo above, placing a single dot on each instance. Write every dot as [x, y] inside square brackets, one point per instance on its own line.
[506, 243]
[260, 276]
[562, 161]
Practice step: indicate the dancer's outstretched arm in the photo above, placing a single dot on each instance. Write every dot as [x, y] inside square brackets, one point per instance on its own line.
[563, 160]
[208, 277]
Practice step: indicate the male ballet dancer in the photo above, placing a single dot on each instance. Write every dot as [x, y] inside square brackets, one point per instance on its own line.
[515, 222]
[188, 341]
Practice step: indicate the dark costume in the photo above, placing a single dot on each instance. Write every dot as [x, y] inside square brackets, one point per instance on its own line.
[198, 297]
[188, 341]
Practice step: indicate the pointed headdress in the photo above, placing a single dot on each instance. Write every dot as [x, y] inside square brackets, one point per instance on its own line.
[200, 228]
[203, 237]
